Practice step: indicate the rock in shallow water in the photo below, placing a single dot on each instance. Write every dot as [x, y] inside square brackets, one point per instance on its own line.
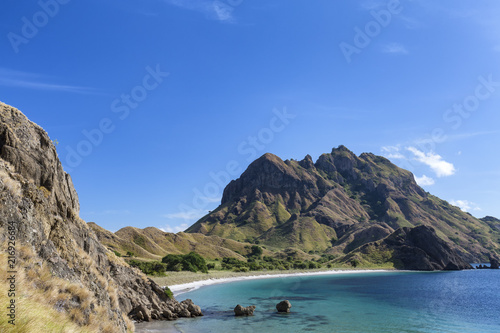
[244, 311]
[283, 306]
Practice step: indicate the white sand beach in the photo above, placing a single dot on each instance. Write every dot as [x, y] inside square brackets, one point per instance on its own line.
[179, 289]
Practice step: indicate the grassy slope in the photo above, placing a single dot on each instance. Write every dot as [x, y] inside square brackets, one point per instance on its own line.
[39, 293]
[152, 243]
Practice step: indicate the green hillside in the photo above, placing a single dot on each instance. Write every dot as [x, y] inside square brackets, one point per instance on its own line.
[337, 204]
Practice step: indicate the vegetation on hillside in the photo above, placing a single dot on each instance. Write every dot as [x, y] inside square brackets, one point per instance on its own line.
[254, 261]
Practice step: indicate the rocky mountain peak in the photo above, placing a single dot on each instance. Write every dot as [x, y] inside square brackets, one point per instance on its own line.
[341, 148]
[353, 199]
[307, 162]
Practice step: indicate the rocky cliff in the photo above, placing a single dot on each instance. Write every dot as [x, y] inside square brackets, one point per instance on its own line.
[416, 248]
[59, 252]
[337, 204]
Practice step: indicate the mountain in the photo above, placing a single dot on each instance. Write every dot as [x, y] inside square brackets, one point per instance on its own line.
[493, 222]
[338, 204]
[152, 243]
[63, 275]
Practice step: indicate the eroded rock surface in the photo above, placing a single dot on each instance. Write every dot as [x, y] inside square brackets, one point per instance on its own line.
[39, 198]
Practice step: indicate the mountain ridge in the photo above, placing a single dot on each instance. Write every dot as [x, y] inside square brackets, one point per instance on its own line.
[341, 201]
[152, 243]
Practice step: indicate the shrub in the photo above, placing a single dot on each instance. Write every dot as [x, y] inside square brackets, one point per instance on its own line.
[256, 251]
[188, 262]
[169, 293]
[118, 254]
[241, 269]
[154, 268]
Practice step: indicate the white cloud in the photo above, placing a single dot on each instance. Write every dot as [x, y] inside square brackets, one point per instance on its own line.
[188, 216]
[395, 48]
[434, 161]
[212, 199]
[175, 228]
[214, 9]
[392, 152]
[424, 180]
[465, 205]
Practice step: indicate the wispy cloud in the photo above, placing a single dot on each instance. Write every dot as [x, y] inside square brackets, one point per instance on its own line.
[212, 199]
[111, 212]
[465, 205]
[26, 80]
[213, 9]
[392, 152]
[434, 161]
[395, 48]
[424, 180]
[469, 135]
[174, 228]
[457, 137]
[188, 216]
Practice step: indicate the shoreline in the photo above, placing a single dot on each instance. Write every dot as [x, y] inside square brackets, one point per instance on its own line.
[195, 283]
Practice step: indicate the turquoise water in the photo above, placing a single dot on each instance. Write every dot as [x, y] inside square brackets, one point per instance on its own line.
[464, 301]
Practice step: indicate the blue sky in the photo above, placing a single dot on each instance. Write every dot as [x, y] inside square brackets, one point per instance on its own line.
[157, 104]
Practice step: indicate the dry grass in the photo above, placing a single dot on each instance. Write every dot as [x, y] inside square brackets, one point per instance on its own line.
[57, 305]
[9, 184]
[46, 193]
[32, 311]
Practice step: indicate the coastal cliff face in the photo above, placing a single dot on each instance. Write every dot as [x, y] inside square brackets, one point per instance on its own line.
[416, 248]
[336, 205]
[54, 244]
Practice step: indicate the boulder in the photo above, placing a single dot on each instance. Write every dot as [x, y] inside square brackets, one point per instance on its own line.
[494, 264]
[194, 309]
[140, 313]
[283, 306]
[244, 311]
[167, 314]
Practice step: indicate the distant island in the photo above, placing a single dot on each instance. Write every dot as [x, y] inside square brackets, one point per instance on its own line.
[341, 211]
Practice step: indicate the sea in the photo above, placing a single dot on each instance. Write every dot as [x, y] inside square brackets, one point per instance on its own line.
[392, 301]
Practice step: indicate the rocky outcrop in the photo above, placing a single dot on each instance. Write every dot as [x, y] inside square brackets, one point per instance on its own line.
[244, 311]
[494, 263]
[38, 197]
[283, 306]
[418, 248]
